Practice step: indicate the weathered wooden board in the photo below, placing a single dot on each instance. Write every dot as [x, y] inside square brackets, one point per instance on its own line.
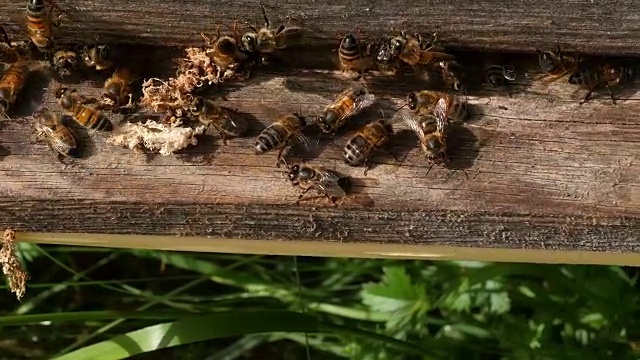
[610, 27]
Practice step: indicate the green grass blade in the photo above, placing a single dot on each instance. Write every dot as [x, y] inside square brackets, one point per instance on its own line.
[219, 325]
[58, 317]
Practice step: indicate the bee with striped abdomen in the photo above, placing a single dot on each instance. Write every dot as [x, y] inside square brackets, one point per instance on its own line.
[432, 132]
[283, 133]
[11, 83]
[49, 128]
[592, 76]
[99, 57]
[371, 137]
[117, 91]
[347, 104]
[424, 103]
[224, 120]
[412, 50]
[77, 105]
[264, 42]
[555, 65]
[40, 25]
[350, 55]
[499, 75]
[324, 181]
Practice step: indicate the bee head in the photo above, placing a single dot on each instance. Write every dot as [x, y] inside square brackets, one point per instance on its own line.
[396, 45]
[546, 60]
[250, 42]
[412, 100]
[509, 72]
[294, 173]
[325, 121]
[435, 145]
[383, 54]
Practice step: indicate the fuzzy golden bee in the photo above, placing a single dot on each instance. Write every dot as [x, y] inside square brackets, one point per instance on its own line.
[432, 132]
[225, 121]
[352, 61]
[324, 181]
[40, 25]
[424, 103]
[100, 57]
[117, 90]
[555, 65]
[411, 50]
[264, 42]
[11, 83]
[64, 62]
[360, 147]
[50, 129]
[225, 53]
[347, 104]
[77, 105]
[499, 75]
[593, 76]
[286, 131]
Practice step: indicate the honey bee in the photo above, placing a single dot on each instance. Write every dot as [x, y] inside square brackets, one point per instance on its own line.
[452, 74]
[286, 131]
[99, 57]
[224, 53]
[347, 104]
[499, 75]
[8, 54]
[64, 62]
[324, 181]
[555, 65]
[409, 49]
[360, 147]
[117, 88]
[424, 102]
[11, 83]
[432, 132]
[40, 26]
[58, 137]
[225, 121]
[76, 105]
[351, 57]
[593, 76]
[263, 43]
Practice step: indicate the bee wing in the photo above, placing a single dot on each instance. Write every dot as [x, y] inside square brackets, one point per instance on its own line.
[413, 124]
[329, 184]
[440, 112]
[303, 140]
[362, 102]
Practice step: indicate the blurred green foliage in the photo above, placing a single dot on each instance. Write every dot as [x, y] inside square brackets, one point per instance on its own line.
[222, 306]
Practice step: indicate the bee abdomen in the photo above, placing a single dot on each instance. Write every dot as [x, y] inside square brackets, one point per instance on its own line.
[93, 119]
[494, 75]
[269, 139]
[353, 154]
[349, 49]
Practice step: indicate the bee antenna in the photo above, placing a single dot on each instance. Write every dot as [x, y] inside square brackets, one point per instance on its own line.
[398, 109]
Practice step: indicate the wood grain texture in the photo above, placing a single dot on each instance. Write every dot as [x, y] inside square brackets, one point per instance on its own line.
[534, 171]
[607, 27]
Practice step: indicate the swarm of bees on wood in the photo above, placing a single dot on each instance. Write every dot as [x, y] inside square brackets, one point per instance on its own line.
[233, 57]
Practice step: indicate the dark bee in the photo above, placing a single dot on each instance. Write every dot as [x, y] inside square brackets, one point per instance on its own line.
[11, 83]
[499, 75]
[117, 88]
[8, 54]
[347, 104]
[351, 57]
[263, 43]
[76, 105]
[225, 121]
[59, 138]
[424, 102]
[325, 181]
[592, 76]
[99, 57]
[452, 74]
[360, 147]
[40, 26]
[286, 131]
[555, 65]
[408, 49]
[225, 54]
[64, 62]
[432, 132]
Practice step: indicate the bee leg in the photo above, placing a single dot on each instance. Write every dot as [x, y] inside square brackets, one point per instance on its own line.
[280, 158]
[5, 36]
[588, 96]
[611, 95]
[332, 199]
[302, 195]
[430, 167]
[280, 29]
